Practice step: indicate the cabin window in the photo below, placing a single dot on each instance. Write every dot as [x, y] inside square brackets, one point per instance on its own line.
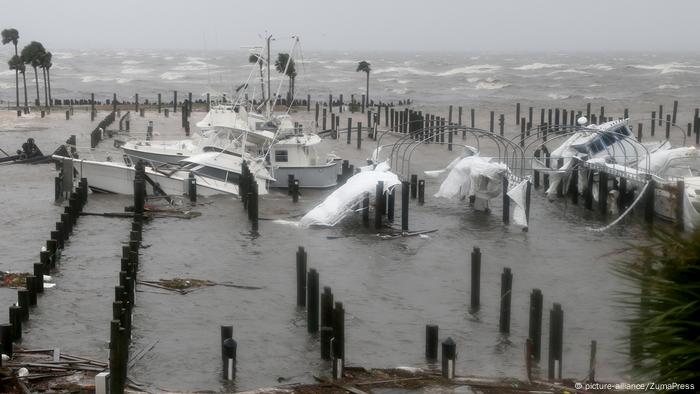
[596, 146]
[608, 139]
[281, 156]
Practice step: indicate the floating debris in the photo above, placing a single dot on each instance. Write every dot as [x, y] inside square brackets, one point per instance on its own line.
[15, 280]
[188, 285]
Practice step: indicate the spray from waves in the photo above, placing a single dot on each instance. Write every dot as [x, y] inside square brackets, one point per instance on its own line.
[345, 61]
[601, 67]
[194, 64]
[475, 69]
[135, 70]
[4, 85]
[402, 71]
[336, 80]
[93, 78]
[669, 86]
[537, 66]
[491, 84]
[569, 71]
[171, 76]
[558, 96]
[667, 68]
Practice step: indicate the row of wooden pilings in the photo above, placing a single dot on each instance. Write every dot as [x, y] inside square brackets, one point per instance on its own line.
[533, 343]
[120, 334]
[332, 314]
[49, 257]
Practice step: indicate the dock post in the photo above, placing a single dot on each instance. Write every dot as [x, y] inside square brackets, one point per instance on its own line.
[192, 187]
[653, 122]
[421, 192]
[316, 109]
[228, 355]
[16, 322]
[359, 135]
[649, 201]
[535, 322]
[312, 305]
[404, 206]
[506, 201]
[414, 186]
[365, 209]
[301, 276]
[323, 122]
[668, 126]
[573, 184]
[535, 173]
[639, 132]
[378, 205]
[592, 361]
[295, 191]
[502, 123]
[325, 340]
[491, 121]
[449, 355]
[349, 135]
[547, 161]
[6, 339]
[661, 114]
[475, 289]
[338, 340]
[506, 290]
[603, 192]
[517, 114]
[588, 193]
[23, 303]
[556, 330]
[390, 205]
[327, 307]
[431, 342]
[622, 197]
[680, 198]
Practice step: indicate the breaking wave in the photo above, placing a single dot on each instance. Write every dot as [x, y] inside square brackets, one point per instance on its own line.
[668, 87]
[135, 70]
[667, 68]
[558, 96]
[491, 84]
[402, 70]
[537, 66]
[171, 76]
[601, 67]
[475, 69]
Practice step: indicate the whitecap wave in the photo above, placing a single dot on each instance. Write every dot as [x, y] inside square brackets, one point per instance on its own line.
[402, 71]
[94, 78]
[345, 61]
[132, 62]
[558, 96]
[601, 67]
[491, 85]
[569, 71]
[537, 66]
[336, 80]
[171, 76]
[668, 86]
[667, 68]
[135, 70]
[474, 69]
[123, 80]
[4, 85]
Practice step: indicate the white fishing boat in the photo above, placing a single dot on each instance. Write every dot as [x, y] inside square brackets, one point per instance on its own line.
[212, 171]
[296, 155]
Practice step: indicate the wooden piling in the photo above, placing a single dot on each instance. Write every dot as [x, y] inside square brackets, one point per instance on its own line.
[301, 276]
[449, 355]
[475, 288]
[421, 192]
[431, 342]
[312, 305]
[588, 193]
[535, 322]
[506, 290]
[491, 115]
[359, 135]
[506, 201]
[668, 126]
[556, 330]
[349, 135]
[404, 206]
[378, 200]
[603, 192]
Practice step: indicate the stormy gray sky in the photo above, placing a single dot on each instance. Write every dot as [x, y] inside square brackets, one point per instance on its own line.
[458, 25]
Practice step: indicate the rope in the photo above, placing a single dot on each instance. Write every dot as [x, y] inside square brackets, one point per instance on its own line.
[627, 211]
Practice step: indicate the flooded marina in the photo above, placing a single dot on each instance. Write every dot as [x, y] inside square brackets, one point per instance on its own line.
[390, 288]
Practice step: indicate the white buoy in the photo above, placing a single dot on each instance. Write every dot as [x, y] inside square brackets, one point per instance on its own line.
[582, 121]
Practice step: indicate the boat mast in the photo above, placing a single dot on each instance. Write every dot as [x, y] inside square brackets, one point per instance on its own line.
[269, 97]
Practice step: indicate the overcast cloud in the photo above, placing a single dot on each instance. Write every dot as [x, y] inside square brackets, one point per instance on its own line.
[466, 26]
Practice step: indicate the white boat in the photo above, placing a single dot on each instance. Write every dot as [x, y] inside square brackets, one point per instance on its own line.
[223, 128]
[342, 201]
[212, 171]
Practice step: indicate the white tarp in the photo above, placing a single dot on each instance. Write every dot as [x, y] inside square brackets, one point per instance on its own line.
[474, 176]
[518, 196]
[341, 202]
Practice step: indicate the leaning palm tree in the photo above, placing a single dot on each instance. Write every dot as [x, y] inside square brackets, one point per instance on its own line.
[365, 67]
[32, 55]
[42, 66]
[17, 64]
[285, 65]
[257, 58]
[12, 36]
[46, 65]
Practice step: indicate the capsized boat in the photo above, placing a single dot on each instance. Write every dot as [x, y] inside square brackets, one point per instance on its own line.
[343, 200]
[215, 172]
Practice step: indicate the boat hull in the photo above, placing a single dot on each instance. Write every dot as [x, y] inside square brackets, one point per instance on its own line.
[315, 177]
[109, 177]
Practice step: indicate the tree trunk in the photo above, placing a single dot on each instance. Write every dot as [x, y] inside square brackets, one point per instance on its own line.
[24, 79]
[48, 77]
[36, 81]
[17, 81]
[46, 89]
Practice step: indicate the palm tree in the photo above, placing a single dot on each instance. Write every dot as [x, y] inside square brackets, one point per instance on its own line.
[46, 65]
[43, 71]
[365, 67]
[32, 55]
[256, 58]
[285, 65]
[17, 64]
[12, 36]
